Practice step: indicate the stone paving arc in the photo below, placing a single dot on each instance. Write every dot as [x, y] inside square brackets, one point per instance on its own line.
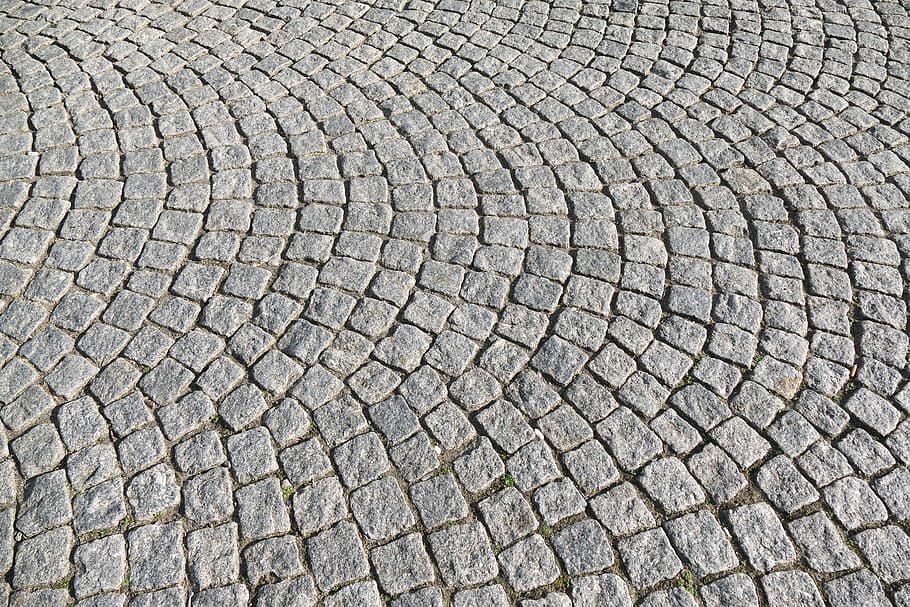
[427, 303]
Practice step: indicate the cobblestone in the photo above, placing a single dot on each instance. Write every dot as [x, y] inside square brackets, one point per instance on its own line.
[431, 303]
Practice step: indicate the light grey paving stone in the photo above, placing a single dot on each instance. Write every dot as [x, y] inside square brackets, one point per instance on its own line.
[45, 504]
[886, 549]
[43, 559]
[212, 558]
[583, 547]
[674, 597]
[649, 558]
[37, 451]
[277, 556]
[860, 588]
[854, 503]
[297, 592]
[156, 556]
[463, 554]
[669, 483]
[402, 564]
[361, 459]
[337, 556]
[235, 595]
[736, 590]
[152, 492]
[431, 597]
[558, 500]
[606, 589]
[702, 543]
[622, 511]
[495, 596]
[101, 507]
[261, 509]
[380, 509]
[822, 546]
[251, 454]
[533, 465]
[629, 440]
[787, 488]
[791, 588]
[508, 516]
[759, 533]
[438, 501]
[529, 564]
[207, 497]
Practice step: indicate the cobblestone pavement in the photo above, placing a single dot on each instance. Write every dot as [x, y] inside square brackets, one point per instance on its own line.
[422, 303]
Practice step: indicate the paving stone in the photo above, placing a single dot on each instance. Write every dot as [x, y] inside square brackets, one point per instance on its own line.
[235, 595]
[854, 503]
[860, 588]
[319, 505]
[277, 556]
[649, 558]
[558, 500]
[337, 556]
[199, 453]
[785, 485]
[894, 490]
[100, 566]
[822, 545]
[38, 450]
[688, 533]
[449, 426]
[532, 466]
[669, 483]
[305, 461]
[622, 511]
[242, 407]
[735, 590]
[761, 536]
[628, 439]
[45, 504]
[156, 556]
[380, 509]
[298, 592]
[431, 596]
[717, 473]
[583, 547]
[415, 458]
[186, 415]
[212, 558]
[494, 596]
[261, 509]
[791, 588]
[508, 516]
[207, 497]
[886, 548]
[606, 589]
[505, 424]
[251, 455]
[463, 554]
[479, 466]
[402, 565]
[529, 564]
[287, 422]
[152, 492]
[361, 460]
[438, 501]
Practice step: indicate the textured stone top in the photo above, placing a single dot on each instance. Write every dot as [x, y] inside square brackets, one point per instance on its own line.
[425, 303]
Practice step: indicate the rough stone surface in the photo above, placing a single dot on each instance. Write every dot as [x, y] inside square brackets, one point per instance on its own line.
[470, 303]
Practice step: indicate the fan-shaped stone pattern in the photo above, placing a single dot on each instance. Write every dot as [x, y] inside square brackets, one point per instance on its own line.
[454, 303]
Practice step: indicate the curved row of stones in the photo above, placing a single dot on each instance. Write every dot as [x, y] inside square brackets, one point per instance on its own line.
[454, 303]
